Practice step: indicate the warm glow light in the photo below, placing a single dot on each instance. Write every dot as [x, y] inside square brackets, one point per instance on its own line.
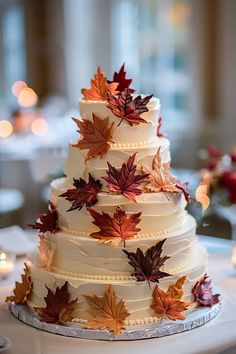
[27, 97]
[17, 87]
[5, 128]
[39, 126]
[202, 197]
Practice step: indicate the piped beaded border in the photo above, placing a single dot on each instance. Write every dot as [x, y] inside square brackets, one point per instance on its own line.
[140, 144]
[141, 321]
[162, 232]
[110, 277]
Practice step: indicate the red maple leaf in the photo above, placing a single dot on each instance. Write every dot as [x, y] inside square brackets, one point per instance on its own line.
[147, 266]
[125, 181]
[117, 228]
[47, 221]
[183, 188]
[127, 108]
[202, 292]
[83, 193]
[120, 78]
[159, 124]
[58, 307]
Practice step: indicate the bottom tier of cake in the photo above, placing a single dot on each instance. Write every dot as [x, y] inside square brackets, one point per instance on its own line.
[136, 295]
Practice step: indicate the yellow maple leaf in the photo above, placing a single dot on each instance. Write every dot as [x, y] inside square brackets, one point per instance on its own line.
[22, 290]
[107, 312]
[99, 88]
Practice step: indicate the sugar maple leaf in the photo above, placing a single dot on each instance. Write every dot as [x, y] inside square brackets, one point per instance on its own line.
[22, 290]
[120, 78]
[125, 181]
[147, 266]
[176, 290]
[203, 294]
[83, 193]
[159, 124]
[127, 108]
[115, 229]
[47, 221]
[97, 135]
[58, 307]
[108, 312]
[184, 189]
[160, 179]
[166, 305]
[99, 88]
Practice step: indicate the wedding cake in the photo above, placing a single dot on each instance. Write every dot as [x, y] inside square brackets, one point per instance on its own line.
[116, 246]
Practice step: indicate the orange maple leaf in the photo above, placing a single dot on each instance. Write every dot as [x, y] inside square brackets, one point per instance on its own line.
[58, 307]
[160, 179]
[22, 290]
[107, 312]
[117, 228]
[99, 88]
[96, 135]
[168, 304]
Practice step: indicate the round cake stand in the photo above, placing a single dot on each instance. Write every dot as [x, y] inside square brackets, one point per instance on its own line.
[194, 319]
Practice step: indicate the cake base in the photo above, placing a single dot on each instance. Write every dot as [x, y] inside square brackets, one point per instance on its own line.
[194, 319]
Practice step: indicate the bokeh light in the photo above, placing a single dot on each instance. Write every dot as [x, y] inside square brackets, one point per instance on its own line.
[17, 87]
[201, 195]
[6, 128]
[39, 127]
[27, 97]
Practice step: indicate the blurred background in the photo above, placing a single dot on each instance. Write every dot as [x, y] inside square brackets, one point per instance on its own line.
[183, 51]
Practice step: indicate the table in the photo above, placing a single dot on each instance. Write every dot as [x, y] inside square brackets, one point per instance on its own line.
[217, 336]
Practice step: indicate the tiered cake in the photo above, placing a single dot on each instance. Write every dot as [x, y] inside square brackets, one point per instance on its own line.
[116, 235]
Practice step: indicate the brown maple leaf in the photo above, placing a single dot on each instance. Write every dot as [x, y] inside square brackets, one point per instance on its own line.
[160, 179]
[22, 290]
[147, 266]
[58, 307]
[47, 221]
[166, 305]
[176, 290]
[125, 181]
[159, 124]
[115, 229]
[99, 88]
[127, 108]
[107, 312]
[120, 78]
[97, 136]
[83, 193]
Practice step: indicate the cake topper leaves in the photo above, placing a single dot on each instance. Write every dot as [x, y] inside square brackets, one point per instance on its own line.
[115, 229]
[176, 290]
[125, 181]
[127, 108]
[58, 307]
[83, 193]
[160, 179]
[166, 305]
[97, 136]
[159, 124]
[108, 312]
[22, 290]
[47, 250]
[120, 77]
[47, 221]
[203, 294]
[147, 266]
[99, 88]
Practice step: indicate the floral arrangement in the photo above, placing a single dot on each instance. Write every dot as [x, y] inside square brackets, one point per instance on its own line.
[219, 174]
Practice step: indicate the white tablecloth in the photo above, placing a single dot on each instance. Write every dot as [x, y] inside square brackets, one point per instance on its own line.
[217, 336]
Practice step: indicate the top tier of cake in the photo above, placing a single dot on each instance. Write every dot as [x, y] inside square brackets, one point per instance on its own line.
[142, 134]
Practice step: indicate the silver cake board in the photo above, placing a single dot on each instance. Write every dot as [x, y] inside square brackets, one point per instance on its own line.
[194, 319]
